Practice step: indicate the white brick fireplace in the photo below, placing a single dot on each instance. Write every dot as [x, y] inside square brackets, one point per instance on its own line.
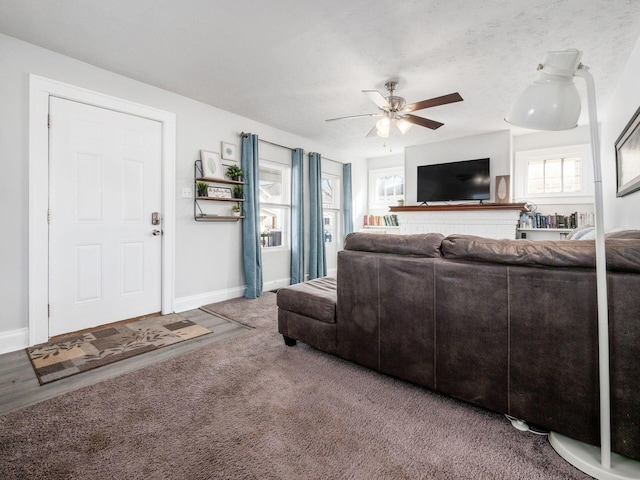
[491, 221]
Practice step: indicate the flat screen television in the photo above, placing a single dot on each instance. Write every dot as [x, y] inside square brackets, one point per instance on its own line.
[466, 180]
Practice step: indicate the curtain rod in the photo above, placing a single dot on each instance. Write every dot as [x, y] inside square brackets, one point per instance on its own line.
[325, 158]
[245, 135]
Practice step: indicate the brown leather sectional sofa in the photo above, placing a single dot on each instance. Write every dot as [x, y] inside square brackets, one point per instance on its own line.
[509, 325]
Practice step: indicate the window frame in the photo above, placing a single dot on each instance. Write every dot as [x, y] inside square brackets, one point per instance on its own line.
[521, 170]
[285, 206]
[335, 208]
[374, 174]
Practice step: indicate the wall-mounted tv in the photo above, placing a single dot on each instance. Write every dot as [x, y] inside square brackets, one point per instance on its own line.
[466, 180]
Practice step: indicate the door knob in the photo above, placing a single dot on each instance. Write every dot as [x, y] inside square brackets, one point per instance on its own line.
[157, 232]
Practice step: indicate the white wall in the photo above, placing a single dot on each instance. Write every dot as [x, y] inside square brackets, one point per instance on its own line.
[534, 141]
[208, 255]
[496, 146]
[359, 183]
[621, 212]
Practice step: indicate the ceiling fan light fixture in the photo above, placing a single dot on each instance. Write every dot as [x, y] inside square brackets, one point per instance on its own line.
[403, 125]
[383, 126]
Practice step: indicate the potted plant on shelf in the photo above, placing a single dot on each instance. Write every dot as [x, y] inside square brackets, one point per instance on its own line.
[202, 188]
[401, 202]
[235, 210]
[234, 172]
[237, 191]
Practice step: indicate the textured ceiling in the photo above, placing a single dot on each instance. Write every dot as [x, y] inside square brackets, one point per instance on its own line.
[294, 63]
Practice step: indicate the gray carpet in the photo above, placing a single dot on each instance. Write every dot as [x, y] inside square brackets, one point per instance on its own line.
[249, 407]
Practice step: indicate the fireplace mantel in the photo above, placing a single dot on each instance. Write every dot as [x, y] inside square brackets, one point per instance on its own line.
[465, 207]
[492, 220]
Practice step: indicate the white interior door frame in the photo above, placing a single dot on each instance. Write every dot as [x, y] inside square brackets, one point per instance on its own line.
[40, 89]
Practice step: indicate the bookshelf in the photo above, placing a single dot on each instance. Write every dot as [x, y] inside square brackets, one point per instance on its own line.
[544, 233]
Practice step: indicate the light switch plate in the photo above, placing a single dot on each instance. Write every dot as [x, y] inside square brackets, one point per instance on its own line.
[187, 192]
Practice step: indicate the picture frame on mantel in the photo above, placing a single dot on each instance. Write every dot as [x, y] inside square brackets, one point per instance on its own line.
[628, 157]
[503, 189]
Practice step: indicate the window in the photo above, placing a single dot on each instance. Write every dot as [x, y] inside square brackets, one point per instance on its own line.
[275, 204]
[556, 175]
[386, 187]
[330, 206]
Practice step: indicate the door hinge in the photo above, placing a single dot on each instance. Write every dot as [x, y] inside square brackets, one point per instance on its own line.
[48, 120]
[48, 216]
[48, 310]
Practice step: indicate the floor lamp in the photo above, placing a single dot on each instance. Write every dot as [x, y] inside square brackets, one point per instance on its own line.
[552, 102]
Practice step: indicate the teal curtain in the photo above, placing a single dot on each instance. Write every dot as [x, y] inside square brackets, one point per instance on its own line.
[297, 216]
[317, 253]
[252, 253]
[348, 199]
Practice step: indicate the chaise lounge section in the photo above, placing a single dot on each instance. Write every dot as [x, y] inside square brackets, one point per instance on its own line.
[509, 325]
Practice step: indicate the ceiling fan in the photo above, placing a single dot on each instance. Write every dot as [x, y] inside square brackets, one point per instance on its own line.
[395, 111]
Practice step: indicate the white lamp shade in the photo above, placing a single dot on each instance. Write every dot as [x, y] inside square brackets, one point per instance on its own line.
[551, 102]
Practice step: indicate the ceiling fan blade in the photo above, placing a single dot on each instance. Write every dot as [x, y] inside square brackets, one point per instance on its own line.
[433, 102]
[377, 98]
[372, 132]
[354, 116]
[423, 122]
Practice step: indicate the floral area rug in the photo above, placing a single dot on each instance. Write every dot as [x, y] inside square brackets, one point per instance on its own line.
[80, 352]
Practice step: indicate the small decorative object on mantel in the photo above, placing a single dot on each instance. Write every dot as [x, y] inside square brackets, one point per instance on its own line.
[235, 211]
[202, 188]
[234, 172]
[211, 167]
[502, 188]
[237, 191]
[401, 202]
[229, 151]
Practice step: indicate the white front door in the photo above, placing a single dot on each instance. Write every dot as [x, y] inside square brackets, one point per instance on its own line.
[104, 184]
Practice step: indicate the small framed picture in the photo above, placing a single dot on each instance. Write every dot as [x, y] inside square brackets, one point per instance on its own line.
[219, 192]
[211, 167]
[229, 151]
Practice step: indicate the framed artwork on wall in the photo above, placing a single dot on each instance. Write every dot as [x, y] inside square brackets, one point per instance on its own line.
[628, 157]
[229, 151]
[211, 167]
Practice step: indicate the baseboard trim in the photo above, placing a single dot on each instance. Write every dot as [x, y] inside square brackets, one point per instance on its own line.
[196, 301]
[276, 284]
[14, 340]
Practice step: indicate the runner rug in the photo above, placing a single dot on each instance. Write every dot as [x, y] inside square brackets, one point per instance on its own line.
[75, 353]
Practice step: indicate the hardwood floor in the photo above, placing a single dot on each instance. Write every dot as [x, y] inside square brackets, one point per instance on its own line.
[19, 386]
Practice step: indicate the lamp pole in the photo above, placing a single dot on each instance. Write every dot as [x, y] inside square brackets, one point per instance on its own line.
[601, 275]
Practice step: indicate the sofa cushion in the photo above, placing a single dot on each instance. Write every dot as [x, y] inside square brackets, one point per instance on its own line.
[622, 254]
[315, 299]
[628, 234]
[422, 245]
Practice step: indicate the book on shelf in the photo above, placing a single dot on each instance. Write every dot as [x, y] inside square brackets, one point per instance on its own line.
[538, 220]
[381, 221]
